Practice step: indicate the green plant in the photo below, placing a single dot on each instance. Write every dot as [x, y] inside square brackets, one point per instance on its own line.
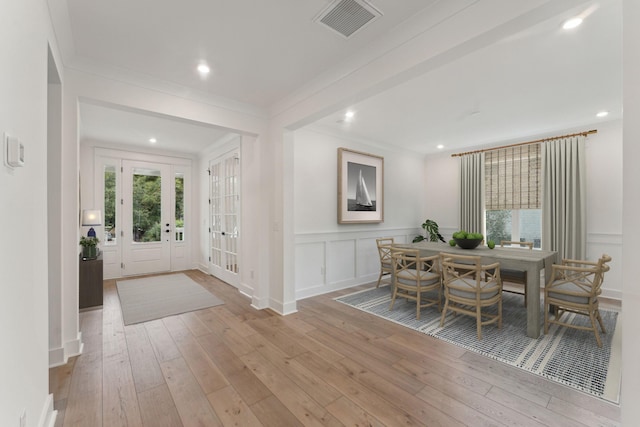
[89, 242]
[431, 227]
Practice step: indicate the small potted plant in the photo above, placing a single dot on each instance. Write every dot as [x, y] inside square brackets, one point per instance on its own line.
[89, 247]
[431, 227]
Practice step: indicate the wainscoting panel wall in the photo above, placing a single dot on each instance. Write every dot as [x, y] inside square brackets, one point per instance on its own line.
[610, 244]
[325, 262]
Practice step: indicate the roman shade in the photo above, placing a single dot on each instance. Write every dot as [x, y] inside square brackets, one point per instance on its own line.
[513, 178]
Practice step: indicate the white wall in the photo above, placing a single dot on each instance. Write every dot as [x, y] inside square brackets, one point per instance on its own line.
[328, 255]
[631, 251]
[24, 36]
[604, 196]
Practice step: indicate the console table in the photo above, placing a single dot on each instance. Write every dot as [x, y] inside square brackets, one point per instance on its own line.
[90, 283]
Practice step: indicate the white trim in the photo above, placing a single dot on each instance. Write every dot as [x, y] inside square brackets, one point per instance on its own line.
[56, 357]
[283, 308]
[48, 415]
[73, 348]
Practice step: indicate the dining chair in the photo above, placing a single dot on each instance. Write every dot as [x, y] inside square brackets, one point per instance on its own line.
[469, 287]
[518, 277]
[384, 251]
[416, 278]
[574, 287]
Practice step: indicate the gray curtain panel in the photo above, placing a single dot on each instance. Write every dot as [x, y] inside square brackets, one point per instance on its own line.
[472, 192]
[563, 202]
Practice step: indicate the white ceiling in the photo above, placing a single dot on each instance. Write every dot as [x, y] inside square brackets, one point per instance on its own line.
[539, 80]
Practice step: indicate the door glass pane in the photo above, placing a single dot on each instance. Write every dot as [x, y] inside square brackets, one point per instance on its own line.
[179, 197]
[216, 223]
[109, 205]
[147, 205]
[498, 225]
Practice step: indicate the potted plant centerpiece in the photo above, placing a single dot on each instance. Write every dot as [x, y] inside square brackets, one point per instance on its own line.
[89, 247]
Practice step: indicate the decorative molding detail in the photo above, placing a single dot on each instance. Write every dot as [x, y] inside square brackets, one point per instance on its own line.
[362, 250]
[604, 238]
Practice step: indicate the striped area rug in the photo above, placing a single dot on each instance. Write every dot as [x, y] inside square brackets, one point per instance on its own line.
[566, 355]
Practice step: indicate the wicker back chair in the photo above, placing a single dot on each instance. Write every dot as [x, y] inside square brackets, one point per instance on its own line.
[574, 287]
[469, 287]
[384, 251]
[416, 278]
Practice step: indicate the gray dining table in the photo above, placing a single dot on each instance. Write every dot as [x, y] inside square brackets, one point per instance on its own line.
[533, 261]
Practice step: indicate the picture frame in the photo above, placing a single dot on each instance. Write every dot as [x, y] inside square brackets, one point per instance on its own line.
[360, 187]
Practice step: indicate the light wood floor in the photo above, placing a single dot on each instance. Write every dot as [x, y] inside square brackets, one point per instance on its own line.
[327, 365]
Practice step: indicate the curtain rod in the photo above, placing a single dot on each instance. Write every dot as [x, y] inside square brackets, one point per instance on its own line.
[526, 143]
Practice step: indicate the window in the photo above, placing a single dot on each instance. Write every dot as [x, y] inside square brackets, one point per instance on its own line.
[179, 208]
[513, 195]
[109, 205]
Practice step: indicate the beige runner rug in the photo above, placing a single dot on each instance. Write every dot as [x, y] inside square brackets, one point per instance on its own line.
[156, 297]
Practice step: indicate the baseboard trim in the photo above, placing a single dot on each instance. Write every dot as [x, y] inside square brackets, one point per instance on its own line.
[48, 415]
[73, 348]
[56, 357]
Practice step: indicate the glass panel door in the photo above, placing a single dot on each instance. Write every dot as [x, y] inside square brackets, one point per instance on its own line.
[146, 213]
[224, 217]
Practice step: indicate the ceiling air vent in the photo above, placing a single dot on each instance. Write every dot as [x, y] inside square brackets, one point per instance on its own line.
[346, 17]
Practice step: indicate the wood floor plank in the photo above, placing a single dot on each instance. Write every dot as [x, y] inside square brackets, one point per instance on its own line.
[540, 414]
[235, 371]
[144, 365]
[319, 390]
[194, 324]
[580, 414]
[272, 413]
[370, 401]
[434, 377]
[157, 408]
[307, 410]
[292, 341]
[114, 343]
[350, 414]
[232, 321]
[84, 404]
[161, 342]
[327, 364]
[231, 408]
[421, 409]
[192, 405]
[206, 372]
[120, 401]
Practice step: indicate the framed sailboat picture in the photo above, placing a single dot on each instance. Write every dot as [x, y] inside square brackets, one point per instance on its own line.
[360, 187]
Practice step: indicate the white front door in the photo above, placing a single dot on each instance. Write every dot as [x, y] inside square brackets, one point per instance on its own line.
[147, 225]
[224, 218]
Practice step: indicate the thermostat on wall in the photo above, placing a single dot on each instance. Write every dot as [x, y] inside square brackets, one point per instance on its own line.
[14, 152]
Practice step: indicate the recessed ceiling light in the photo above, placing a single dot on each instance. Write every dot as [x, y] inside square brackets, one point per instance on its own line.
[572, 23]
[153, 140]
[204, 69]
[440, 146]
[349, 115]
[602, 114]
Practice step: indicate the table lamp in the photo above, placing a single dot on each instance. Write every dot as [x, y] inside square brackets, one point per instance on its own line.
[91, 218]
